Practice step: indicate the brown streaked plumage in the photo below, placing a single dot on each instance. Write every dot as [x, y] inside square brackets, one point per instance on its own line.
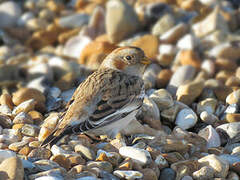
[108, 99]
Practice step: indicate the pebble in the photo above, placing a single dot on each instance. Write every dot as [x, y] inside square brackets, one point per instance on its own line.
[35, 24]
[5, 154]
[212, 137]
[162, 98]
[150, 75]
[62, 161]
[5, 121]
[17, 145]
[205, 172]
[30, 130]
[12, 168]
[167, 173]
[183, 74]
[150, 113]
[163, 24]
[225, 50]
[141, 156]
[6, 99]
[208, 118]
[40, 153]
[24, 94]
[39, 70]
[231, 159]
[45, 165]
[189, 57]
[233, 98]
[209, 105]
[75, 45]
[231, 129]
[220, 166]
[86, 152]
[73, 21]
[163, 78]
[186, 118]
[49, 178]
[25, 106]
[22, 118]
[103, 165]
[232, 117]
[10, 12]
[188, 92]
[174, 34]
[52, 173]
[24, 18]
[187, 42]
[124, 23]
[212, 22]
[128, 174]
[149, 44]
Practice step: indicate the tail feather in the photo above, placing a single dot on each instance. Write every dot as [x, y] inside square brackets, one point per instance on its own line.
[54, 137]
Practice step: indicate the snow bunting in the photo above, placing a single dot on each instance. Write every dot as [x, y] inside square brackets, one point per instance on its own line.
[108, 100]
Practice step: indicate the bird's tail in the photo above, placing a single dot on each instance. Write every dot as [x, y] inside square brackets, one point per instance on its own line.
[55, 136]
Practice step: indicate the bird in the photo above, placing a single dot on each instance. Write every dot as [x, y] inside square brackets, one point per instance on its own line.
[108, 100]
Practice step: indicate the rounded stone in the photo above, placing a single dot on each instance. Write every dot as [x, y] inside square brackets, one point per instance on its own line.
[12, 168]
[24, 94]
[189, 57]
[181, 75]
[9, 14]
[211, 136]
[85, 152]
[208, 104]
[219, 165]
[186, 118]
[233, 98]
[141, 156]
[103, 165]
[208, 118]
[188, 92]
[167, 173]
[162, 98]
[128, 174]
[149, 44]
[121, 20]
[23, 118]
[62, 161]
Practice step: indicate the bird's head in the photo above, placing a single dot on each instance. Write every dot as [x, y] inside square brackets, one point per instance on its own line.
[130, 60]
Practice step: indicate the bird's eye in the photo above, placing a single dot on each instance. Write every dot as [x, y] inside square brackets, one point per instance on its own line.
[128, 58]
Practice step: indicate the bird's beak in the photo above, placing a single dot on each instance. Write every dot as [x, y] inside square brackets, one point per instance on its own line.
[145, 61]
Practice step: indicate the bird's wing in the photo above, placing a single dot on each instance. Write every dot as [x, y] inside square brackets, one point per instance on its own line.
[101, 99]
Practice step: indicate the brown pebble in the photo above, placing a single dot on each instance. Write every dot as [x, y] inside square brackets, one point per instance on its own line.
[189, 57]
[127, 164]
[24, 94]
[76, 160]
[187, 93]
[17, 126]
[6, 99]
[40, 153]
[62, 161]
[149, 174]
[149, 44]
[163, 78]
[225, 64]
[37, 117]
[24, 150]
[233, 117]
